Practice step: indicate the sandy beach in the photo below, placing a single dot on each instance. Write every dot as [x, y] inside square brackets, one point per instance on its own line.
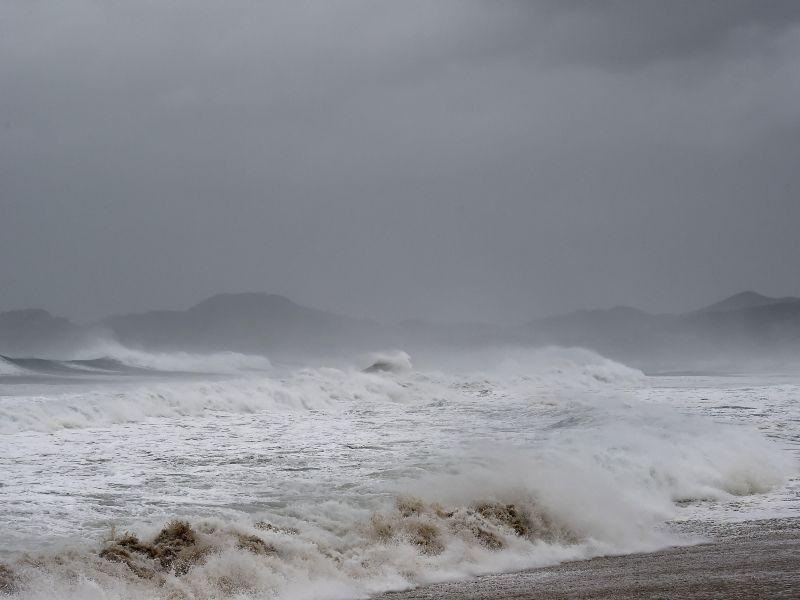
[755, 559]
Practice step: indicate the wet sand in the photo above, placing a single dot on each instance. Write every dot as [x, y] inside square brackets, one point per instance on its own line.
[756, 559]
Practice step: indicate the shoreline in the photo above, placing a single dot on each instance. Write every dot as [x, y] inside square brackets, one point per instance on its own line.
[752, 559]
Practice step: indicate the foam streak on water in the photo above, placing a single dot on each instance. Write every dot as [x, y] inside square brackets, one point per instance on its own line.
[337, 483]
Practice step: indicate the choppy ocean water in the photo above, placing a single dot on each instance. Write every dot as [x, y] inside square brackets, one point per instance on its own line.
[331, 482]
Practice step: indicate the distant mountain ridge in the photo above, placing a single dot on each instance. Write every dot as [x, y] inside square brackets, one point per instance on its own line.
[27, 331]
[245, 322]
[745, 324]
[745, 300]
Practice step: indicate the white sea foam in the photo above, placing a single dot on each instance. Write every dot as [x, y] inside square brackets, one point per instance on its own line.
[8, 368]
[395, 361]
[303, 389]
[216, 362]
[371, 481]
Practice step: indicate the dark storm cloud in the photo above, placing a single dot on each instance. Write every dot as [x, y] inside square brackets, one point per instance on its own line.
[628, 33]
[449, 159]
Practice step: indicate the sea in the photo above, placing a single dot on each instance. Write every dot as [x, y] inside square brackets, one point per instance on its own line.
[132, 475]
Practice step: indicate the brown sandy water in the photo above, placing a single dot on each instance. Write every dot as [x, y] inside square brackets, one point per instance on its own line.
[755, 559]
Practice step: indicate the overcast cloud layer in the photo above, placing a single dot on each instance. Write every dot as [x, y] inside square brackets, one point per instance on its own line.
[445, 159]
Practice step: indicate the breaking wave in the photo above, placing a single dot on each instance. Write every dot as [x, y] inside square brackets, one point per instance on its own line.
[7, 367]
[252, 390]
[393, 362]
[519, 459]
[494, 518]
[108, 358]
[215, 362]
[329, 553]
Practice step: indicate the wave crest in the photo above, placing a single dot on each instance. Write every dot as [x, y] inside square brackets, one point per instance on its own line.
[410, 543]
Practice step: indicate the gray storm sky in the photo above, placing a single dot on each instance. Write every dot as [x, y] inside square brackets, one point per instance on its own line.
[493, 160]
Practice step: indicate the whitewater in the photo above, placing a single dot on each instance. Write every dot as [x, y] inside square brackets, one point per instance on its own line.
[130, 475]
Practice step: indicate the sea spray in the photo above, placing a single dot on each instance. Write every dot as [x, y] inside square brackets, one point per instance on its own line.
[335, 483]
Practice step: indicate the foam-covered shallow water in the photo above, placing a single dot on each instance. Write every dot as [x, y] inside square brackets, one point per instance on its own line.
[337, 483]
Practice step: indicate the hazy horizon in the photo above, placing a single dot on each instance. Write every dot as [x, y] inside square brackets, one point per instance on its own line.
[458, 161]
[442, 321]
[328, 285]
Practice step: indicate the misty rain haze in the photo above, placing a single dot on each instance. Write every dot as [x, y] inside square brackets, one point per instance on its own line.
[410, 299]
